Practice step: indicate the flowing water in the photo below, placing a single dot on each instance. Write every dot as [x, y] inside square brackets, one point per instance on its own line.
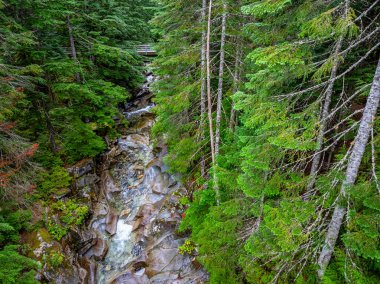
[138, 212]
[131, 236]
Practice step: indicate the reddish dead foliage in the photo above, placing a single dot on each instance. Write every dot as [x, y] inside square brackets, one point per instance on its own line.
[6, 126]
[14, 164]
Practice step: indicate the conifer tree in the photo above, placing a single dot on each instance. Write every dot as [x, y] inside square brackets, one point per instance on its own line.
[65, 69]
[356, 156]
[326, 105]
[287, 152]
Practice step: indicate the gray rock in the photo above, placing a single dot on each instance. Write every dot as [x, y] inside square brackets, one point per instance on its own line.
[82, 168]
[87, 180]
[98, 250]
[140, 244]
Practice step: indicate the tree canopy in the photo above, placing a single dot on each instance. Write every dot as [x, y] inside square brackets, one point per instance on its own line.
[269, 110]
[290, 196]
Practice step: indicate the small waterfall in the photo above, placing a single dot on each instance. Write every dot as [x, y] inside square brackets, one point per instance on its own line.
[142, 103]
[139, 112]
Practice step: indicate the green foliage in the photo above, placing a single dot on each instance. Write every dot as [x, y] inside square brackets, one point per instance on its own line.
[82, 142]
[69, 213]
[7, 232]
[266, 229]
[66, 100]
[187, 248]
[282, 229]
[78, 100]
[320, 27]
[263, 8]
[363, 233]
[219, 255]
[55, 259]
[174, 95]
[58, 180]
[16, 268]
[56, 230]
[182, 156]
[11, 223]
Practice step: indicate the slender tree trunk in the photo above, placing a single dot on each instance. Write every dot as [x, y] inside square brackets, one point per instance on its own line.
[72, 45]
[208, 76]
[220, 98]
[220, 79]
[330, 157]
[323, 121]
[237, 78]
[360, 143]
[50, 128]
[203, 83]
[325, 113]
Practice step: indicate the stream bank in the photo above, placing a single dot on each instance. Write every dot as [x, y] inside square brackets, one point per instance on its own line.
[131, 235]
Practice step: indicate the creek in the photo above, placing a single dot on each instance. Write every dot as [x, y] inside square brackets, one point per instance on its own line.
[132, 234]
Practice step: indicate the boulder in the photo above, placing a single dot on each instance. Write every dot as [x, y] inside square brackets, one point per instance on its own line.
[111, 222]
[164, 260]
[131, 278]
[98, 250]
[108, 185]
[81, 168]
[87, 180]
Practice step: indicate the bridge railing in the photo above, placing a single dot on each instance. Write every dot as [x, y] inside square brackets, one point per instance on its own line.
[146, 50]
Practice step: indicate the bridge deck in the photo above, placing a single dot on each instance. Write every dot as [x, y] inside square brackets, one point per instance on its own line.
[146, 50]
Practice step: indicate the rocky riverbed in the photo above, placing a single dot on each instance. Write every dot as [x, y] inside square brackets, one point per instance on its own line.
[131, 235]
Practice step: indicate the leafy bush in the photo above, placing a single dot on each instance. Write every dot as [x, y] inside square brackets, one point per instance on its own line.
[54, 182]
[55, 258]
[16, 268]
[56, 230]
[187, 248]
[70, 214]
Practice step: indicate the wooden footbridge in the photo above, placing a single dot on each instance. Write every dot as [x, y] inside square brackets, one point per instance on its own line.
[146, 50]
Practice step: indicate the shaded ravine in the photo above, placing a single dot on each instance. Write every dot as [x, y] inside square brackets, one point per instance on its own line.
[134, 212]
[137, 212]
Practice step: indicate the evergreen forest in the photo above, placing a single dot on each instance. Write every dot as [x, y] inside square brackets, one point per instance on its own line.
[268, 111]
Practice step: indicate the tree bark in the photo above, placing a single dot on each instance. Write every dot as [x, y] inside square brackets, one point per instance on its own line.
[324, 121]
[208, 76]
[325, 112]
[220, 79]
[72, 46]
[358, 150]
[237, 78]
[220, 98]
[50, 128]
[203, 83]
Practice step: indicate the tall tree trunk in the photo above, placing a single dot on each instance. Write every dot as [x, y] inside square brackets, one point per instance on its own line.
[50, 128]
[237, 78]
[72, 46]
[203, 83]
[360, 143]
[220, 98]
[220, 79]
[208, 76]
[325, 112]
[323, 120]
